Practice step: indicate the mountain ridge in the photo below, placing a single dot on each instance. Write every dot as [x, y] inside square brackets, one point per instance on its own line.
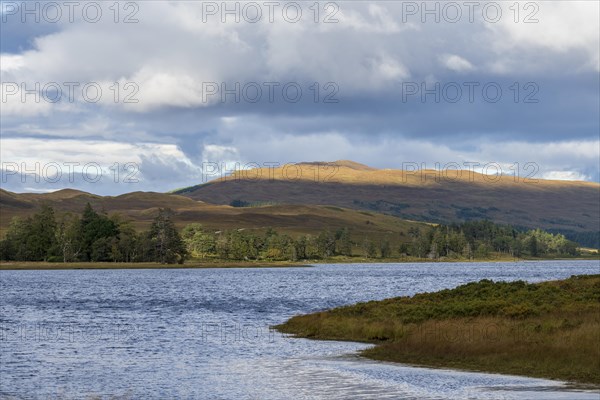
[344, 193]
[426, 195]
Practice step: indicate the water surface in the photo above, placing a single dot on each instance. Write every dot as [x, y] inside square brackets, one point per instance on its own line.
[204, 333]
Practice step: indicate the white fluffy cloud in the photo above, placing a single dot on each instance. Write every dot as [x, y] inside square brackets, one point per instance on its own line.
[171, 51]
[96, 166]
[456, 63]
[552, 27]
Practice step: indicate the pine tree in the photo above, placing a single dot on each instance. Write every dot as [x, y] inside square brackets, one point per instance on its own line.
[41, 238]
[168, 248]
[14, 244]
[533, 246]
[95, 227]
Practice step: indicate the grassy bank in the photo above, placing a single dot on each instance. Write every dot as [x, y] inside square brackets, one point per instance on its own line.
[25, 265]
[217, 263]
[494, 257]
[548, 330]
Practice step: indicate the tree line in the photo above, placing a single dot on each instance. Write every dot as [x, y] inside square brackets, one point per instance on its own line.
[97, 237]
[478, 239]
[242, 244]
[91, 236]
[474, 239]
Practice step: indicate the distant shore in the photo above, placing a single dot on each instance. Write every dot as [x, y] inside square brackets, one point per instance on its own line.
[25, 265]
[40, 265]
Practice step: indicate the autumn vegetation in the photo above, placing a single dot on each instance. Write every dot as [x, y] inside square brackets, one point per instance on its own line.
[97, 237]
[547, 329]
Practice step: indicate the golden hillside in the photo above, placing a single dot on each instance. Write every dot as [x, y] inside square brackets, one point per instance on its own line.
[141, 208]
[424, 195]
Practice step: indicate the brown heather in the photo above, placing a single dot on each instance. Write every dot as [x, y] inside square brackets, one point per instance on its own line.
[548, 330]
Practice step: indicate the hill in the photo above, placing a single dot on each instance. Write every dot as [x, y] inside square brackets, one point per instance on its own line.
[569, 207]
[141, 208]
[310, 197]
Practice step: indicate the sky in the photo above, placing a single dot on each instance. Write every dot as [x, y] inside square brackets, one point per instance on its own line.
[157, 95]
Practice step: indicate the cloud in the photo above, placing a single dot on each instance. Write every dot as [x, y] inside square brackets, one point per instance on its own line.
[376, 18]
[96, 166]
[551, 29]
[16, 101]
[456, 63]
[11, 62]
[363, 61]
[565, 176]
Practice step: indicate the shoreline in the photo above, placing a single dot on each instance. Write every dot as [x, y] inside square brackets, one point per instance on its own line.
[46, 266]
[41, 265]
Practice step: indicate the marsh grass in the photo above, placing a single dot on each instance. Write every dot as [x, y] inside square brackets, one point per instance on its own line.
[549, 329]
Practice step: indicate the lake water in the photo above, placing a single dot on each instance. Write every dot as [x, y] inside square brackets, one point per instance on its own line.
[204, 334]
